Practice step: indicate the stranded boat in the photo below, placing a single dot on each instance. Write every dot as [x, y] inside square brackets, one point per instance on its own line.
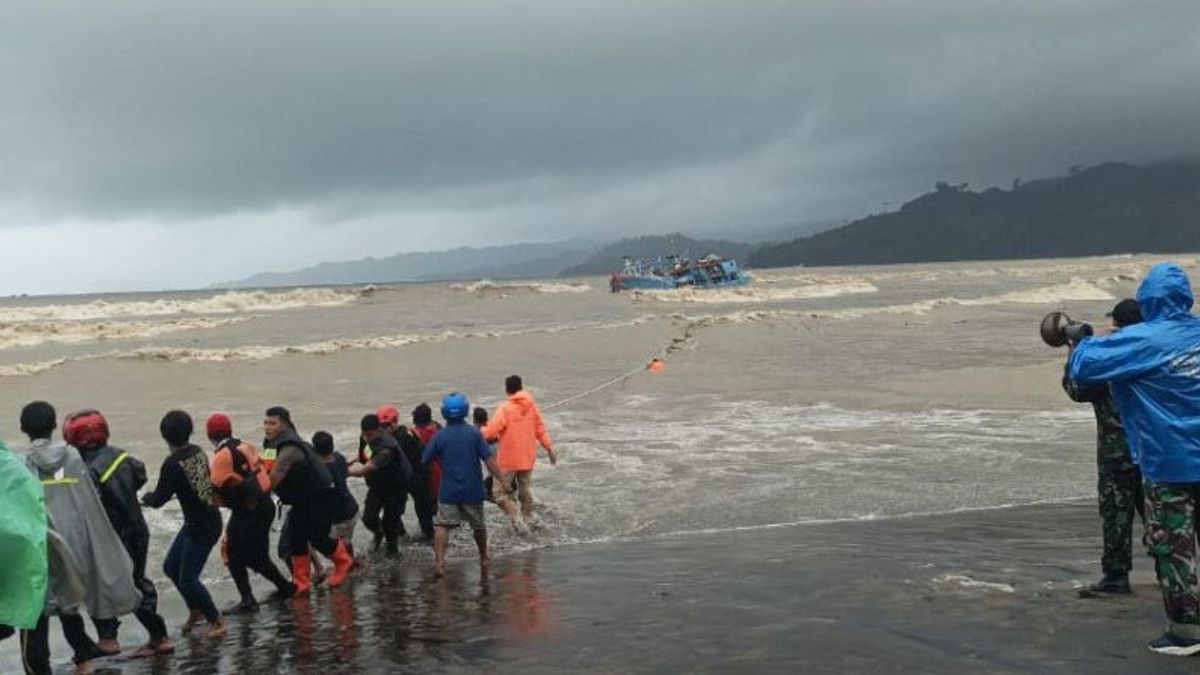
[670, 272]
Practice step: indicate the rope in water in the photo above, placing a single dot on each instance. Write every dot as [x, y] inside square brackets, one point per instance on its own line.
[675, 345]
[595, 390]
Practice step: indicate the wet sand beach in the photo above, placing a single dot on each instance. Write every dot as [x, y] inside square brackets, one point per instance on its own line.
[990, 591]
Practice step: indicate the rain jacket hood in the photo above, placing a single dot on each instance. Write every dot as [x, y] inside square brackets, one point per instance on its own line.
[76, 515]
[1165, 293]
[22, 544]
[1153, 371]
[519, 427]
[48, 457]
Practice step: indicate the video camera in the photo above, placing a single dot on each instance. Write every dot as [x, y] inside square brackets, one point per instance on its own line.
[1059, 329]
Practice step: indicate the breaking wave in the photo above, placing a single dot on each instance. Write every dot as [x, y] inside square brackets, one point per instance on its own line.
[31, 334]
[25, 369]
[263, 352]
[229, 302]
[815, 288]
[1075, 289]
[487, 286]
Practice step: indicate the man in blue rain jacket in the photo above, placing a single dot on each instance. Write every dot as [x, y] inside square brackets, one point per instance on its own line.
[1153, 371]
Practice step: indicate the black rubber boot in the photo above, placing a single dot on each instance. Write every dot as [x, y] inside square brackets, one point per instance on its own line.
[1110, 584]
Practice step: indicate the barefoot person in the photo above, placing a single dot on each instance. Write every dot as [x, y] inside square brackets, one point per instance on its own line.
[185, 476]
[461, 448]
[101, 573]
[242, 486]
[118, 476]
[519, 428]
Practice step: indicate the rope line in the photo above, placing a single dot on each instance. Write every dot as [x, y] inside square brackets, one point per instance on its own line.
[595, 390]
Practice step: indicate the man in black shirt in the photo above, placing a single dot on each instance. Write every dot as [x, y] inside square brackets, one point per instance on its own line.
[388, 473]
[184, 474]
[301, 480]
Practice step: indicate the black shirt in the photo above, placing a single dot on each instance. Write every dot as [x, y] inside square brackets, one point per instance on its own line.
[184, 474]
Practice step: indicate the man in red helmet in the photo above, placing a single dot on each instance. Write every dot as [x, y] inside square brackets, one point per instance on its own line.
[244, 487]
[417, 488]
[118, 476]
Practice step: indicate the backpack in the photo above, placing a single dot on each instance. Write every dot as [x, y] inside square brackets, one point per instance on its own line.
[248, 493]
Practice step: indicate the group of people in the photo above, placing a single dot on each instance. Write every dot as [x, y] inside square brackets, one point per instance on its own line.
[1143, 380]
[77, 538]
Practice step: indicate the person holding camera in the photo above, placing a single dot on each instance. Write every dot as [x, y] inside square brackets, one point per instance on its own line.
[1153, 372]
[1119, 481]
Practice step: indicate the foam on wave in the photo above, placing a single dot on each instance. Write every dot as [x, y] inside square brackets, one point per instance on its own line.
[30, 334]
[487, 286]
[815, 288]
[229, 302]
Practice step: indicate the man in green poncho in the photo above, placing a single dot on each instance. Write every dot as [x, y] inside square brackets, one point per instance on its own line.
[22, 546]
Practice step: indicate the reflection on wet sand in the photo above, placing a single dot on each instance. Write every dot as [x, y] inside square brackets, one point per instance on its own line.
[393, 616]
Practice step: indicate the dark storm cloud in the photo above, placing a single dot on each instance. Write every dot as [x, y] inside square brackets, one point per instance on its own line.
[780, 111]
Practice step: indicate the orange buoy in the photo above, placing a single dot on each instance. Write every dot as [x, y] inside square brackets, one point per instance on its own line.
[656, 365]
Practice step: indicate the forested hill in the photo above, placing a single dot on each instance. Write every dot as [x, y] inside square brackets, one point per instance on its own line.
[1101, 210]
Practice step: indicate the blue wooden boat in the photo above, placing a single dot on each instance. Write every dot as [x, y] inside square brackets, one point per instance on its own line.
[670, 272]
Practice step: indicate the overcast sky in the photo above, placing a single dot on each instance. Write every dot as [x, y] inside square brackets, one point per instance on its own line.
[168, 144]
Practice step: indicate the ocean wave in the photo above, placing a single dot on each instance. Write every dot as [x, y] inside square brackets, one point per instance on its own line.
[26, 369]
[487, 286]
[814, 288]
[229, 302]
[30, 334]
[262, 352]
[1075, 289]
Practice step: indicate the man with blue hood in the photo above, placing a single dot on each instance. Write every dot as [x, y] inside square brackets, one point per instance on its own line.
[1153, 372]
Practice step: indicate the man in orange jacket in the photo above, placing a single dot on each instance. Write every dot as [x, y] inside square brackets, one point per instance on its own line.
[519, 429]
[243, 486]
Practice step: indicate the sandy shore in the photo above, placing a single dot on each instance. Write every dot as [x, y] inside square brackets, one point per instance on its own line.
[976, 592]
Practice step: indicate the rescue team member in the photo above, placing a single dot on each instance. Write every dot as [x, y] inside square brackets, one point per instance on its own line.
[346, 515]
[424, 428]
[301, 481]
[284, 548]
[118, 476]
[479, 416]
[1153, 371]
[387, 472]
[461, 448]
[519, 428]
[97, 574]
[244, 488]
[417, 486]
[184, 475]
[1119, 482]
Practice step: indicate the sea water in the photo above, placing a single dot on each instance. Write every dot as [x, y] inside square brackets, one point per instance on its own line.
[812, 395]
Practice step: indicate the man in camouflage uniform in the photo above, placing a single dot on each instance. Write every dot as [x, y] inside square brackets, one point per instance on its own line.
[1170, 537]
[1153, 373]
[1119, 484]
